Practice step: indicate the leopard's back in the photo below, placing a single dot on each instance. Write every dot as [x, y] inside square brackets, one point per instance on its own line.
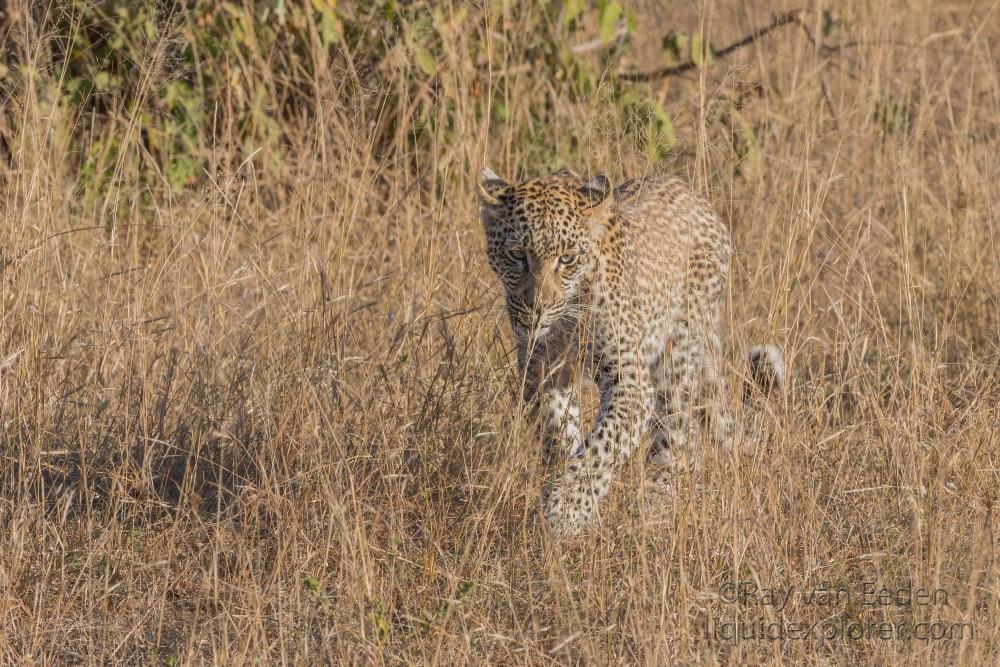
[671, 248]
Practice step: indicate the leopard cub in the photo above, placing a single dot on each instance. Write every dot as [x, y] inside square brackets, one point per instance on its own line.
[630, 281]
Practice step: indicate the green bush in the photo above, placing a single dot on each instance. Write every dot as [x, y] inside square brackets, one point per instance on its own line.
[155, 88]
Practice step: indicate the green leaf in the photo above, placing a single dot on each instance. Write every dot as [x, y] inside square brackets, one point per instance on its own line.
[426, 62]
[331, 29]
[181, 171]
[610, 15]
[571, 10]
[675, 47]
[701, 52]
[661, 134]
[746, 144]
[465, 589]
[380, 619]
[102, 80]
[312, 584]
[631, 22]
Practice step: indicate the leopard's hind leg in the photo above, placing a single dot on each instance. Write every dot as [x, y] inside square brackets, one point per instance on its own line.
[690, 393]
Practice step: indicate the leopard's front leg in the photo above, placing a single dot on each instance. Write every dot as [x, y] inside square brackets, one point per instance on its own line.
[559, 415]
[571, 503]
[550, 392]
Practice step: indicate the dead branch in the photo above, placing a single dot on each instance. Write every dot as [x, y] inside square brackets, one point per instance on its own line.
[674, 70]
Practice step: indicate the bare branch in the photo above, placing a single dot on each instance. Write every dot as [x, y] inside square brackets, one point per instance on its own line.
[674, 70]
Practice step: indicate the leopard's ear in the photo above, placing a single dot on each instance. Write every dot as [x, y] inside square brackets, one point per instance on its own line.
[490, 187]
[598, 198]
[567, 175]
[596, 189]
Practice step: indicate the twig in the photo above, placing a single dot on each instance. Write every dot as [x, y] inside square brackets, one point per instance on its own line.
[674, 70]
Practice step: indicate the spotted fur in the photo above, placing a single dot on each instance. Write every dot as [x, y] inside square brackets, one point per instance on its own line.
[630, 282]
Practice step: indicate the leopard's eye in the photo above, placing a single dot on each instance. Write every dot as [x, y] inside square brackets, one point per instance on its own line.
[517, 254]
[568, 259]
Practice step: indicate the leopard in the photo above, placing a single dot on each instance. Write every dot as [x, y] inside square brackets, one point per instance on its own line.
[624, 285]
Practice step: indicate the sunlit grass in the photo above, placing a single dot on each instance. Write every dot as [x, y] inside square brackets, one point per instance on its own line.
[265, 411]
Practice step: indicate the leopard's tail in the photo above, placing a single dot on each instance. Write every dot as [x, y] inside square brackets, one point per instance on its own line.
[767, 373]
[765, 380]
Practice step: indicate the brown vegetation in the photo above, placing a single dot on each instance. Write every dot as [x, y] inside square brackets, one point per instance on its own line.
[257, 396]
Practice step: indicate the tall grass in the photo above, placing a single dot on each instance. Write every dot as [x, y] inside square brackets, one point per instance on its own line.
[257, 398]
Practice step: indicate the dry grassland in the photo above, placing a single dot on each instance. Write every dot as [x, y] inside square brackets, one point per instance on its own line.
[271, 417]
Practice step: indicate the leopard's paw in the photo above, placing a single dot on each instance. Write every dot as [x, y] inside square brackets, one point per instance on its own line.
[569, 506]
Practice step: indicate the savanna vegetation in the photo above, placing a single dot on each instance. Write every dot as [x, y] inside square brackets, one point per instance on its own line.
[258, 400]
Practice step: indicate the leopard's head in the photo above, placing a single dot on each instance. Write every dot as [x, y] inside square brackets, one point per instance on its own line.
[540, 237]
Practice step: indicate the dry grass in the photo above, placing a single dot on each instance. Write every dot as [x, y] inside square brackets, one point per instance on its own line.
[273, 419]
